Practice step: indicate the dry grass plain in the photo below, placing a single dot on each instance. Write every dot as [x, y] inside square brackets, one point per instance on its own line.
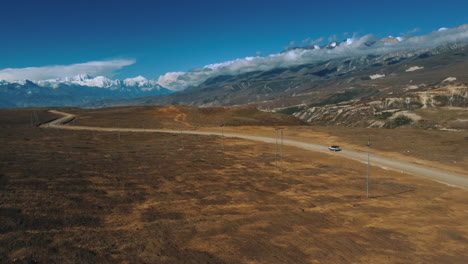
[86, 197]
[440, 149]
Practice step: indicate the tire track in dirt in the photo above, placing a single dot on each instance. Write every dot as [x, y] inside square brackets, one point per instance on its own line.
[441, 176]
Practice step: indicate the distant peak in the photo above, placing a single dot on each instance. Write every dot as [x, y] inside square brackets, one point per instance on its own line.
[79, 78]
[139, 81]
[389, 39]
[138, 78]
[349, 41]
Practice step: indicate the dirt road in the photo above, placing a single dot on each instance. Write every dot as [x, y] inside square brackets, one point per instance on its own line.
[445, 177]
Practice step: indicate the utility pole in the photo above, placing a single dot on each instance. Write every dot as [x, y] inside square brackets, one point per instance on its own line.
[276, 153]
[118, 127]
[368, 167]
[281, 152]
[35, 116]
[277, 130]
[181, 139]
[38, 120]
[222, 137]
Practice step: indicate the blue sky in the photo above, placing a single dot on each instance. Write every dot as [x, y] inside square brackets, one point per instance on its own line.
[178, 35]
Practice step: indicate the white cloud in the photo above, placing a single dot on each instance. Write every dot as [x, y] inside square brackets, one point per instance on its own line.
[171, 81]
[352, 47]
[94, 68]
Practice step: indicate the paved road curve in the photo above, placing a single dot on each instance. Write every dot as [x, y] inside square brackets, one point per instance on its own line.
[438, 175]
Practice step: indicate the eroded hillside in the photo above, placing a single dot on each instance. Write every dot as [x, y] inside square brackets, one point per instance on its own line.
[407, 108]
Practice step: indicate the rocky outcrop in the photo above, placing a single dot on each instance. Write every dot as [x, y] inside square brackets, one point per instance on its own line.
[381, 112]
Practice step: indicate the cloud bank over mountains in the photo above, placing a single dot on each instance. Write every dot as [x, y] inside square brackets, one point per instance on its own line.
[292, 56]
[94, 68]
[351, 47]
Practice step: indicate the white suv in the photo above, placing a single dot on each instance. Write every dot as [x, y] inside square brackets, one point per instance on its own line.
[334, 148]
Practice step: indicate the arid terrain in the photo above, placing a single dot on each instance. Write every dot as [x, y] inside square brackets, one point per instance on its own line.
[108, 197]
[438, 148]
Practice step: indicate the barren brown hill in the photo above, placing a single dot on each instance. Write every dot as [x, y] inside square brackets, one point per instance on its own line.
[182, 117]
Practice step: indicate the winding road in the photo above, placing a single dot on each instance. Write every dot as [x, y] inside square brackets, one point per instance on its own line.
[445, 177]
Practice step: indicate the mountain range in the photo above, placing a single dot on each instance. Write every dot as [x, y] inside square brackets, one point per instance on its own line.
[74, 91]
[376, 74]
[377, 89]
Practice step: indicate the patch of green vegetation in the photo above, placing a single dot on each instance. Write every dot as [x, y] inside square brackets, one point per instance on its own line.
[339, 97]
[291, 110]
[399, 121]
[383, 115]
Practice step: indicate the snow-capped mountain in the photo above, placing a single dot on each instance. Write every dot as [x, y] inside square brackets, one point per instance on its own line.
[75, 91]
[139, 82]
